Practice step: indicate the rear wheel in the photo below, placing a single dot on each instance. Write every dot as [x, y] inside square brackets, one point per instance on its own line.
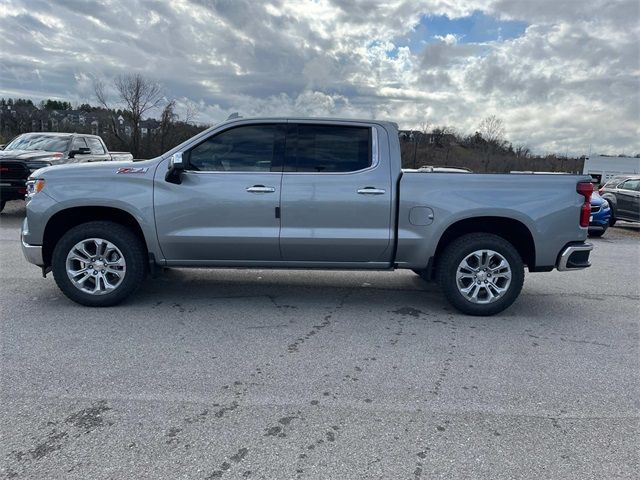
[99, 264]
[481, 274]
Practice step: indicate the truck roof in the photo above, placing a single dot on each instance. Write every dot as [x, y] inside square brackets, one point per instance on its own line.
[309, 119]
[58, 134]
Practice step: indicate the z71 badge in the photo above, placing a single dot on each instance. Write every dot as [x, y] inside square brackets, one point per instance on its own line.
[132, 170]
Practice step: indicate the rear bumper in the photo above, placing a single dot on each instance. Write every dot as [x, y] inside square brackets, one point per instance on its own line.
[574, 256]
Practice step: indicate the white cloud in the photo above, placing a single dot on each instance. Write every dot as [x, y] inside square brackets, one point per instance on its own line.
[569, 81]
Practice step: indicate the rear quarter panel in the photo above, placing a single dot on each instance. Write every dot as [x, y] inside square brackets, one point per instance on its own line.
[548, 205]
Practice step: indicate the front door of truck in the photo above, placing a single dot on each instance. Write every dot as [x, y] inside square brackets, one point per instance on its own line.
[336, 195]
[225, 209]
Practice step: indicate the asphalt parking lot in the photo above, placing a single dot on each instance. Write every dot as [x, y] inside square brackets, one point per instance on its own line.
[291, 374]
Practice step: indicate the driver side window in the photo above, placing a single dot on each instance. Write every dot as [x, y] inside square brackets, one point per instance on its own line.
[78, 143]
[247, 148]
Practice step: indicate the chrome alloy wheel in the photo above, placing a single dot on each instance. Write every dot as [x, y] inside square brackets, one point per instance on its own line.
[96, 266]
[483, 276]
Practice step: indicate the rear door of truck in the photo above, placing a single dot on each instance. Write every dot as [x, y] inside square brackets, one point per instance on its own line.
[336, 194]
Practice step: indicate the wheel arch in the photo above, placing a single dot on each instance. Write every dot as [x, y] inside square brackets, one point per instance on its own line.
[512, 230]
[62, 221]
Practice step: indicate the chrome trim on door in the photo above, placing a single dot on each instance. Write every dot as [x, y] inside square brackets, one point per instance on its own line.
[260, 189]
[371, 191]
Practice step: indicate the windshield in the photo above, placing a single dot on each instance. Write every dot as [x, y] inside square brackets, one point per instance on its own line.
[48, 143]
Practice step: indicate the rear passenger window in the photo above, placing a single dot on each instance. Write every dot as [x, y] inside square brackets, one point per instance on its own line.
[330, 148]
[95, 145]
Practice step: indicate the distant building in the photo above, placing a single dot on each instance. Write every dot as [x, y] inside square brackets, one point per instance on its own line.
[149, 127]
[603, 167]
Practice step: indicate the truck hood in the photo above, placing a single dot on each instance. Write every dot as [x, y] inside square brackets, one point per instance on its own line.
[97, 170]
[27, 155]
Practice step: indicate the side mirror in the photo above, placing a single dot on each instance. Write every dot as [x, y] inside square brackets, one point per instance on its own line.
[79, 151]
[175, 169]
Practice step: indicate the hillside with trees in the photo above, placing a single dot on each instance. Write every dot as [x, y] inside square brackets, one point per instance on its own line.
[125, 123]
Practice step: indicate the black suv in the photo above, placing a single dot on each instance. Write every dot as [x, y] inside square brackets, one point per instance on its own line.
[623, 194]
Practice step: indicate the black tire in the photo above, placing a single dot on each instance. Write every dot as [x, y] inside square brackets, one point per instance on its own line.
[457, 251]
[2, 204]
[124, 239]
[597, 233]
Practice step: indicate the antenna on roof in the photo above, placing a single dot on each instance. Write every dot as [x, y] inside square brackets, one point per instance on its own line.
[233, 116]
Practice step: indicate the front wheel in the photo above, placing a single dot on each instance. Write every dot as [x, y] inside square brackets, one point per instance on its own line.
[99, 264]
[481, 274]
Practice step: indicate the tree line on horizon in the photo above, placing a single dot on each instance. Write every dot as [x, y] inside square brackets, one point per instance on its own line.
[123, 114]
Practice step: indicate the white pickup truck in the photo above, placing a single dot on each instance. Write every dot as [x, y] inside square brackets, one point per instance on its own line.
[301, 193]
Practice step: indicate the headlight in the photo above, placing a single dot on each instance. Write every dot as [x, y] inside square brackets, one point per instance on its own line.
[36, 165]
[604, 205]
[34, 186]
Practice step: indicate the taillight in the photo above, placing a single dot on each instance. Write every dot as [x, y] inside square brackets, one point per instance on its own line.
[585, 189]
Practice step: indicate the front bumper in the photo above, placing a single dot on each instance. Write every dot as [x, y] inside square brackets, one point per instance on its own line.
[33, 253]
[9, 191]
[574, 256]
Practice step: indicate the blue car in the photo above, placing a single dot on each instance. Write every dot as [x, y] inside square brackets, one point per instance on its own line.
[600, 215]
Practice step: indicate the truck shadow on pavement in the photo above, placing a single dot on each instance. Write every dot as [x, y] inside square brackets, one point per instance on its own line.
[191, 290]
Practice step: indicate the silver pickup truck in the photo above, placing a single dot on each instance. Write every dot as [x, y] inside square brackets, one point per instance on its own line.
[301, 193]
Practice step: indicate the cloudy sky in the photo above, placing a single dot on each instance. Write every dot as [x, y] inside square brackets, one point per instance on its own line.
[564, 75]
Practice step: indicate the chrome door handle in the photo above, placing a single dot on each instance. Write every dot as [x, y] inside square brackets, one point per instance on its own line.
[371, 191]
[260, 189]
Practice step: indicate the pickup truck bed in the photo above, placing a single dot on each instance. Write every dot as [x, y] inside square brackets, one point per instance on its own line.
[302, 193]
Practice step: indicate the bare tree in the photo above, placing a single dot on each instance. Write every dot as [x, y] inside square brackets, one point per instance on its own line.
[492, 130]
[167, 118]
[101, 95]
[140, 96]
[191, 112]
[522, 151]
